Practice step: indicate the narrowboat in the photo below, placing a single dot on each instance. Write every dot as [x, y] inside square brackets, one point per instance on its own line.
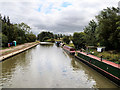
[62, 44]
[69, 50]
[57, 43]
[107, 68]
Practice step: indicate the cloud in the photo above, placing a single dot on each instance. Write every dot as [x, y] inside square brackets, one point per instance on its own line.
[58, 16]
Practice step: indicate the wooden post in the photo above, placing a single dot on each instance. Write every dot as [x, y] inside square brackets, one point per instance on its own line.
[101, 58]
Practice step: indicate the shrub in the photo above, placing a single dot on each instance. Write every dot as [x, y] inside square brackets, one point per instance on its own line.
[4, 40]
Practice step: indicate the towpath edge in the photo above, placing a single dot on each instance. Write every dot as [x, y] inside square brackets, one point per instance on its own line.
[4, 57]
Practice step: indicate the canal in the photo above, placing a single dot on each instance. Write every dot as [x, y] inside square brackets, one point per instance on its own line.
[48, 66]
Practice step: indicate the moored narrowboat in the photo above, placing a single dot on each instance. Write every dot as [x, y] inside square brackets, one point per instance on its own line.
[61, 44]
[57, 43]
[108, 69]
[69, 50]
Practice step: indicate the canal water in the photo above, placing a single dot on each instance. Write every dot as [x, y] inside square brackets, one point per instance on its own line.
[48, 66]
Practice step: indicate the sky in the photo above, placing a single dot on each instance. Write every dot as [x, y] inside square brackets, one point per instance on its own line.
[57, 16]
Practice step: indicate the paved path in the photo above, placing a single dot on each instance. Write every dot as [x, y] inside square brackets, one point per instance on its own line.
[6, 53]
[99, 59]
[14, 48]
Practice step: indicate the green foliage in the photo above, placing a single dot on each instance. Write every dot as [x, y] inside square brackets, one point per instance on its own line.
[24, 27]
[79, 40]
[108, 31]
[4, 40]
[44, 36]
[71, 45]
[50, 40]
[30, 37]
[66, 39]
[108, 55]
[19, 32]
[90, 35]
[61, 36]
[55, 36]
[58, 36]
[19, 40]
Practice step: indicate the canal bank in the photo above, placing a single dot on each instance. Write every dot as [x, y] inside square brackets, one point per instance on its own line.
[7, 53]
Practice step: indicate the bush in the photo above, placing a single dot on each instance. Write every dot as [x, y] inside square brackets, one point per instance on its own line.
[52, 40]
[78, 40]
[4, 40]
[45, 38]
[19, 40]
[30, 37]
[66, 39]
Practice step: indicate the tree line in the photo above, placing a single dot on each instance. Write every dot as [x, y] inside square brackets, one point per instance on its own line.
[104, 32]
[49, 36]
[45, 35]
[21, 33]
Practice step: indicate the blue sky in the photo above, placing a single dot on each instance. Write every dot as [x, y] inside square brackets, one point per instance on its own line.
[66, 4]
[39, 8]
[48, 9]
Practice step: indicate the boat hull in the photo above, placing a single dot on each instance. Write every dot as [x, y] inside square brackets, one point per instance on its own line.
[108, 75]
[72, 53]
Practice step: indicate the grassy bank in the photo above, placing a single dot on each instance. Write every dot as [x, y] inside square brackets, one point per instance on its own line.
[108, 55]
[71, 45]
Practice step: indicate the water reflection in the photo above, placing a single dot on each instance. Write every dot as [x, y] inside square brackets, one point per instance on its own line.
[10, 66]
[74, 64]
[48, 66]
[47, 45]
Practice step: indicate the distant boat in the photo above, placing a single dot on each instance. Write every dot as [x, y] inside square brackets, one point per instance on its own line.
[61, 44]
[58, 43]
[69, 50]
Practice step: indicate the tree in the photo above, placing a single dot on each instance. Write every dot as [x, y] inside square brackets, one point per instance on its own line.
[55, 36]
[44, 36]
[30, 37]
[4, 40]
[10, 33]
[0, 17]
[19, 32]
[79, 40]
[4, 19]
[66, 39]
[8, 20]
[108, 28]
[58, 36]
[5, 28]
[90, 35]
[24, 27]
[61, 36]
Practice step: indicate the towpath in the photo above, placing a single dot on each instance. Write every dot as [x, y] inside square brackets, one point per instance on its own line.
[4, 53]
[99, 59]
